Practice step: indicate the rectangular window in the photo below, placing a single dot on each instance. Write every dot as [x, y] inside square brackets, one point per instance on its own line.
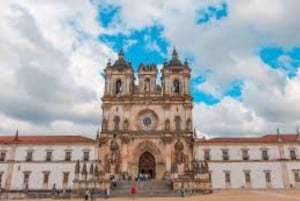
[66, 177]
[293, 155]
[227, 177]
[265, 155]
[245, 154]
[68, 156]
[2, 156]
[48, 155]
[29, 156]
[225, 155]
[296, 175]
[86, 156]
[247, 177]
[26, 178]
[268, 177]
[46, 177]
[206, 155]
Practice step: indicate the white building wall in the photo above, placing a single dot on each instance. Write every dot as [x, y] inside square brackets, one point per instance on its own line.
[236, 165]
[236, 169]
[57, 166]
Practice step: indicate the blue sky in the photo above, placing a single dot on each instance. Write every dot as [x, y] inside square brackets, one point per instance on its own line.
[136, 43]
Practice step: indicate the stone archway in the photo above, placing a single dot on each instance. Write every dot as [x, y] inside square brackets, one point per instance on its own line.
[147, 164]
[152, 151]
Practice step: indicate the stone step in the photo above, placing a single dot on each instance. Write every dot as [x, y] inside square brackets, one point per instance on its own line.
[155, 188]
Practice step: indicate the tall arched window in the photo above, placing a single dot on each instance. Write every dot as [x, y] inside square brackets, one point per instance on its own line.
[118, 86]
[177, 123]
[189, 125]
[117, 123]
[176, 86]
[147, 85]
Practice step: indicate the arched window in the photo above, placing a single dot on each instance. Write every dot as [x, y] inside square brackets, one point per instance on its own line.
[118, 86]
[177, 123]
[189, 125]
[117, 123]
[147, 85]
[176, 86]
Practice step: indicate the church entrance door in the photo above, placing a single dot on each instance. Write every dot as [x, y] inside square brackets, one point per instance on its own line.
[147, 164]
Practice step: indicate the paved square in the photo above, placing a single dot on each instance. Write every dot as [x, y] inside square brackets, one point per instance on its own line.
[233, 195]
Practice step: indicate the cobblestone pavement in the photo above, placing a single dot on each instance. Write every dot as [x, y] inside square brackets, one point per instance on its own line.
[233, 195]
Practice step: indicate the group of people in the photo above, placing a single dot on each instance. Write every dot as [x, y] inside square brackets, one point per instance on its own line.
[143, 177]
[90, 195]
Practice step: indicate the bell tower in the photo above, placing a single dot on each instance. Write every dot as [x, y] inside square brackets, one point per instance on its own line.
[147, 79]
[119, 79]
[176, 77]
[119, 85]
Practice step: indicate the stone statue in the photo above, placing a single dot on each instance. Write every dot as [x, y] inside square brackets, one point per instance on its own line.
[167, 125]
[126, 125]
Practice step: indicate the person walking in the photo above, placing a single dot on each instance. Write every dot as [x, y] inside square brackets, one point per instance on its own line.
[133, 191]
[107, 193]
[87, 195]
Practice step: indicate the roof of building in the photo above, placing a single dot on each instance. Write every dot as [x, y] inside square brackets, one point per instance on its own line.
[270, 138]
[45, 139]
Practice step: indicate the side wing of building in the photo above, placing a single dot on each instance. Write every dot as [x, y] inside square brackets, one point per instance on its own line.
[39, 162]
[270, 161]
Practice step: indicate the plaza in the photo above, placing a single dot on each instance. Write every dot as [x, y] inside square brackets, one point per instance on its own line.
[232, 195]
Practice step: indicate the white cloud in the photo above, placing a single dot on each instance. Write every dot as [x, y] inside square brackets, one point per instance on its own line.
[50, 64]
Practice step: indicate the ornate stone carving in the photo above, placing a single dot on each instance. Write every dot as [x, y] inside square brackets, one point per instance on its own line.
[113, 159]
[102, 141]
[125, 139]
[166, 140]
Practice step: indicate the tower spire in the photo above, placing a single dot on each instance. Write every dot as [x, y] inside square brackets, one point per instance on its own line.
[174, 54]
[16, 135]
[98, 134]
[278, 135]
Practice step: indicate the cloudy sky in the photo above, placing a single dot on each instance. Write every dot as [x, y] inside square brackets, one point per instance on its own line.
[244, 55]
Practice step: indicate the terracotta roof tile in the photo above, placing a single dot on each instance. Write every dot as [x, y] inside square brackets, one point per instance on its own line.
[46, 139]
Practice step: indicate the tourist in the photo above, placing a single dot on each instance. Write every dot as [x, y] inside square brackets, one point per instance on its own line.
[93, 194]
[107, 193]
[182, 191]
[133, 191]
[54, 191]
[87, 195]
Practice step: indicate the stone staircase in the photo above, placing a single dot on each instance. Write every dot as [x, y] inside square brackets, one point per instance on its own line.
[153, 188]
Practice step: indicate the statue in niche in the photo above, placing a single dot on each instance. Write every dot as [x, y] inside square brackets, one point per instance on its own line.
[180, 158]
[167, 125]
[114, 149]
[113, 158]
[126, 125]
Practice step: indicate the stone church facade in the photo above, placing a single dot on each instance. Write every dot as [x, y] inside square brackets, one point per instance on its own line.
[147, 128]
